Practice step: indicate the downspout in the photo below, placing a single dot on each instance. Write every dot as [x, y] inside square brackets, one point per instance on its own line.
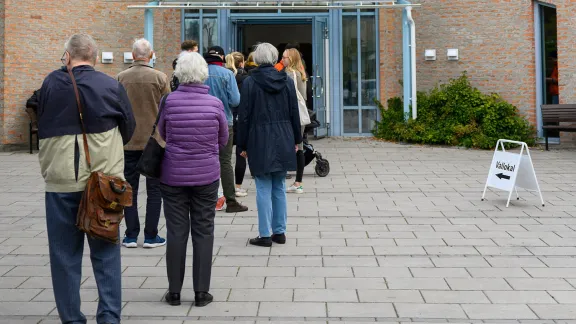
[406, 61]
[149, 25]
[412, 61]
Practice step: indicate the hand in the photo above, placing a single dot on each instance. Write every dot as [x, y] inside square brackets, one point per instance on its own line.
[296, 147]
[244, 154]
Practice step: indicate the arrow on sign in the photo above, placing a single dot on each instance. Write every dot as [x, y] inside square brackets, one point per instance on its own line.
[503, 176]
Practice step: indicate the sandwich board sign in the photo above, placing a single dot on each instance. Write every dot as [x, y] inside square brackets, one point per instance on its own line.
[510, 171]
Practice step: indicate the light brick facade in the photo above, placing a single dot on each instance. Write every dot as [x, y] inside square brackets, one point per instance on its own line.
[495, 39]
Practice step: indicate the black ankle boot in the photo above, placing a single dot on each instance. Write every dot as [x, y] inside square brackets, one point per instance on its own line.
[172, 298]
[279, 238]
[202, 299]
[261, 241]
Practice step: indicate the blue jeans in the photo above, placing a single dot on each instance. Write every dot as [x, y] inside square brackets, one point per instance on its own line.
[66, 245]
[271, 202]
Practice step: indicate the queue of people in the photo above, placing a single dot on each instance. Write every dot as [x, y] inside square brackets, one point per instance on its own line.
[211, 103]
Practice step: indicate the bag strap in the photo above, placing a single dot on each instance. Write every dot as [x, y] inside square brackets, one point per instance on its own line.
[298, 95]
[162, 104]
[79, 104]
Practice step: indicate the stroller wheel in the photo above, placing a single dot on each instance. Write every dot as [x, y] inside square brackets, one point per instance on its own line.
[322, 167]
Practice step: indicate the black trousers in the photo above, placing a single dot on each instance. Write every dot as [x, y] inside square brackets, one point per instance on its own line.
[153, 202]
[189, 210]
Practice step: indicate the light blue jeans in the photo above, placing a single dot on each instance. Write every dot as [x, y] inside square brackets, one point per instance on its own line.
[271, 202]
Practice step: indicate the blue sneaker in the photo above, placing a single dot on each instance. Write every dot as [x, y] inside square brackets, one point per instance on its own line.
[155, 242]
[130, 242]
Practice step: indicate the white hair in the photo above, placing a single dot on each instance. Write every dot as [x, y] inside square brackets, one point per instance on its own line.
[82, 47]
[266, 53]
[142, 49]
[191, 68]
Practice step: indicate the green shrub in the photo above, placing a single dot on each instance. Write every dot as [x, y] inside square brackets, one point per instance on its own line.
[455, 114]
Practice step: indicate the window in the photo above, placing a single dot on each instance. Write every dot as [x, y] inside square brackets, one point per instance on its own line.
[208, 37]
[359, 72]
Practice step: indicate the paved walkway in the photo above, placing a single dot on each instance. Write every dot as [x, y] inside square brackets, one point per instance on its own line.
[394, 234]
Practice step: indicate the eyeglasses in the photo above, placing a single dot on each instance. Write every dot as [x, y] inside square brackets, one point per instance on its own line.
[63, 58]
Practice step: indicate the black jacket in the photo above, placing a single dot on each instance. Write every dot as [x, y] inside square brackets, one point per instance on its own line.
[268, 121]
[106, 104]
[241, 75]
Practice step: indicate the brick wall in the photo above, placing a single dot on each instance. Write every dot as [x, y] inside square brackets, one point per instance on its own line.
[2, 19]
[35, 33]
[496, 43]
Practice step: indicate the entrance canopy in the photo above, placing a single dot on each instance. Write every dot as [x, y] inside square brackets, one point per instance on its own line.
[271, 5]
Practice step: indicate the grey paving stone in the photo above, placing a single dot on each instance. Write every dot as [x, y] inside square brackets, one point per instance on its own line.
[552, 272]
[350, 261]
[499, 312]
[267, 272]
[438, 311]
[299, 282]
[325, 295]
[454, 297]
[389, 296]
[11, 282]
[498, 272]
[18, 295]
[226, 309]
[302, 309]
[440, 272]
[539, 284]
[514, 262]
[257, 295]
[417, 283]
[333, 272]
[395, 261]
[355, 283]
[28, 308]
[559, 312]
[361, 310]
[377, 272]
[520, 297]
[478, 284]
[563, 297]
[448, 262]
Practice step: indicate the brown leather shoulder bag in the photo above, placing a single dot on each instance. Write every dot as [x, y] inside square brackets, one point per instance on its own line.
[102, 206]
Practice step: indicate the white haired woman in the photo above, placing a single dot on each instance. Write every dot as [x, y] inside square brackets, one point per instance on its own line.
[269, 133]
[195, 128]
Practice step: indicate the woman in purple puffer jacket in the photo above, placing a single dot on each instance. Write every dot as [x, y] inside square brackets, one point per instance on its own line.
[194, 126]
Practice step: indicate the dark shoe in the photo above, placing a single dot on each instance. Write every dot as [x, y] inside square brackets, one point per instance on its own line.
[261, 241]
[172, 298]
[235, 207]
[288, 176]
[202, 299]
[279, 238]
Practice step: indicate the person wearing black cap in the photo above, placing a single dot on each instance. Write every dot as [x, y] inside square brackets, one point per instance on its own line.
[223, 86]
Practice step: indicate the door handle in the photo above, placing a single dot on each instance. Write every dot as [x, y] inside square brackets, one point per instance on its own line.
[321, 86]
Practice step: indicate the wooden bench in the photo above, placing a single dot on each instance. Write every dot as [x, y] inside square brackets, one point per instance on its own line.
[558, 114]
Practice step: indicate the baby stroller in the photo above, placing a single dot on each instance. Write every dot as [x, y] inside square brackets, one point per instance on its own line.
[322, 165]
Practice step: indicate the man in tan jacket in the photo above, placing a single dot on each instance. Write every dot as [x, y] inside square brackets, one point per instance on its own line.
[145, 87]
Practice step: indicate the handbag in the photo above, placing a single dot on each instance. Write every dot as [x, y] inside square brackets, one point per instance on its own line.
[102, 206]
[302, 109]
[150, 162]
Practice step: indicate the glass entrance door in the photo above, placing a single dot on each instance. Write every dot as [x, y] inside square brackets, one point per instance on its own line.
[319, 78]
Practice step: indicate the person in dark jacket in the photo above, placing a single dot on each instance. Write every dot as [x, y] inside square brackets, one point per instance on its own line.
[235, 63]
[269, 134]
[187, 46]
[109, 124]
